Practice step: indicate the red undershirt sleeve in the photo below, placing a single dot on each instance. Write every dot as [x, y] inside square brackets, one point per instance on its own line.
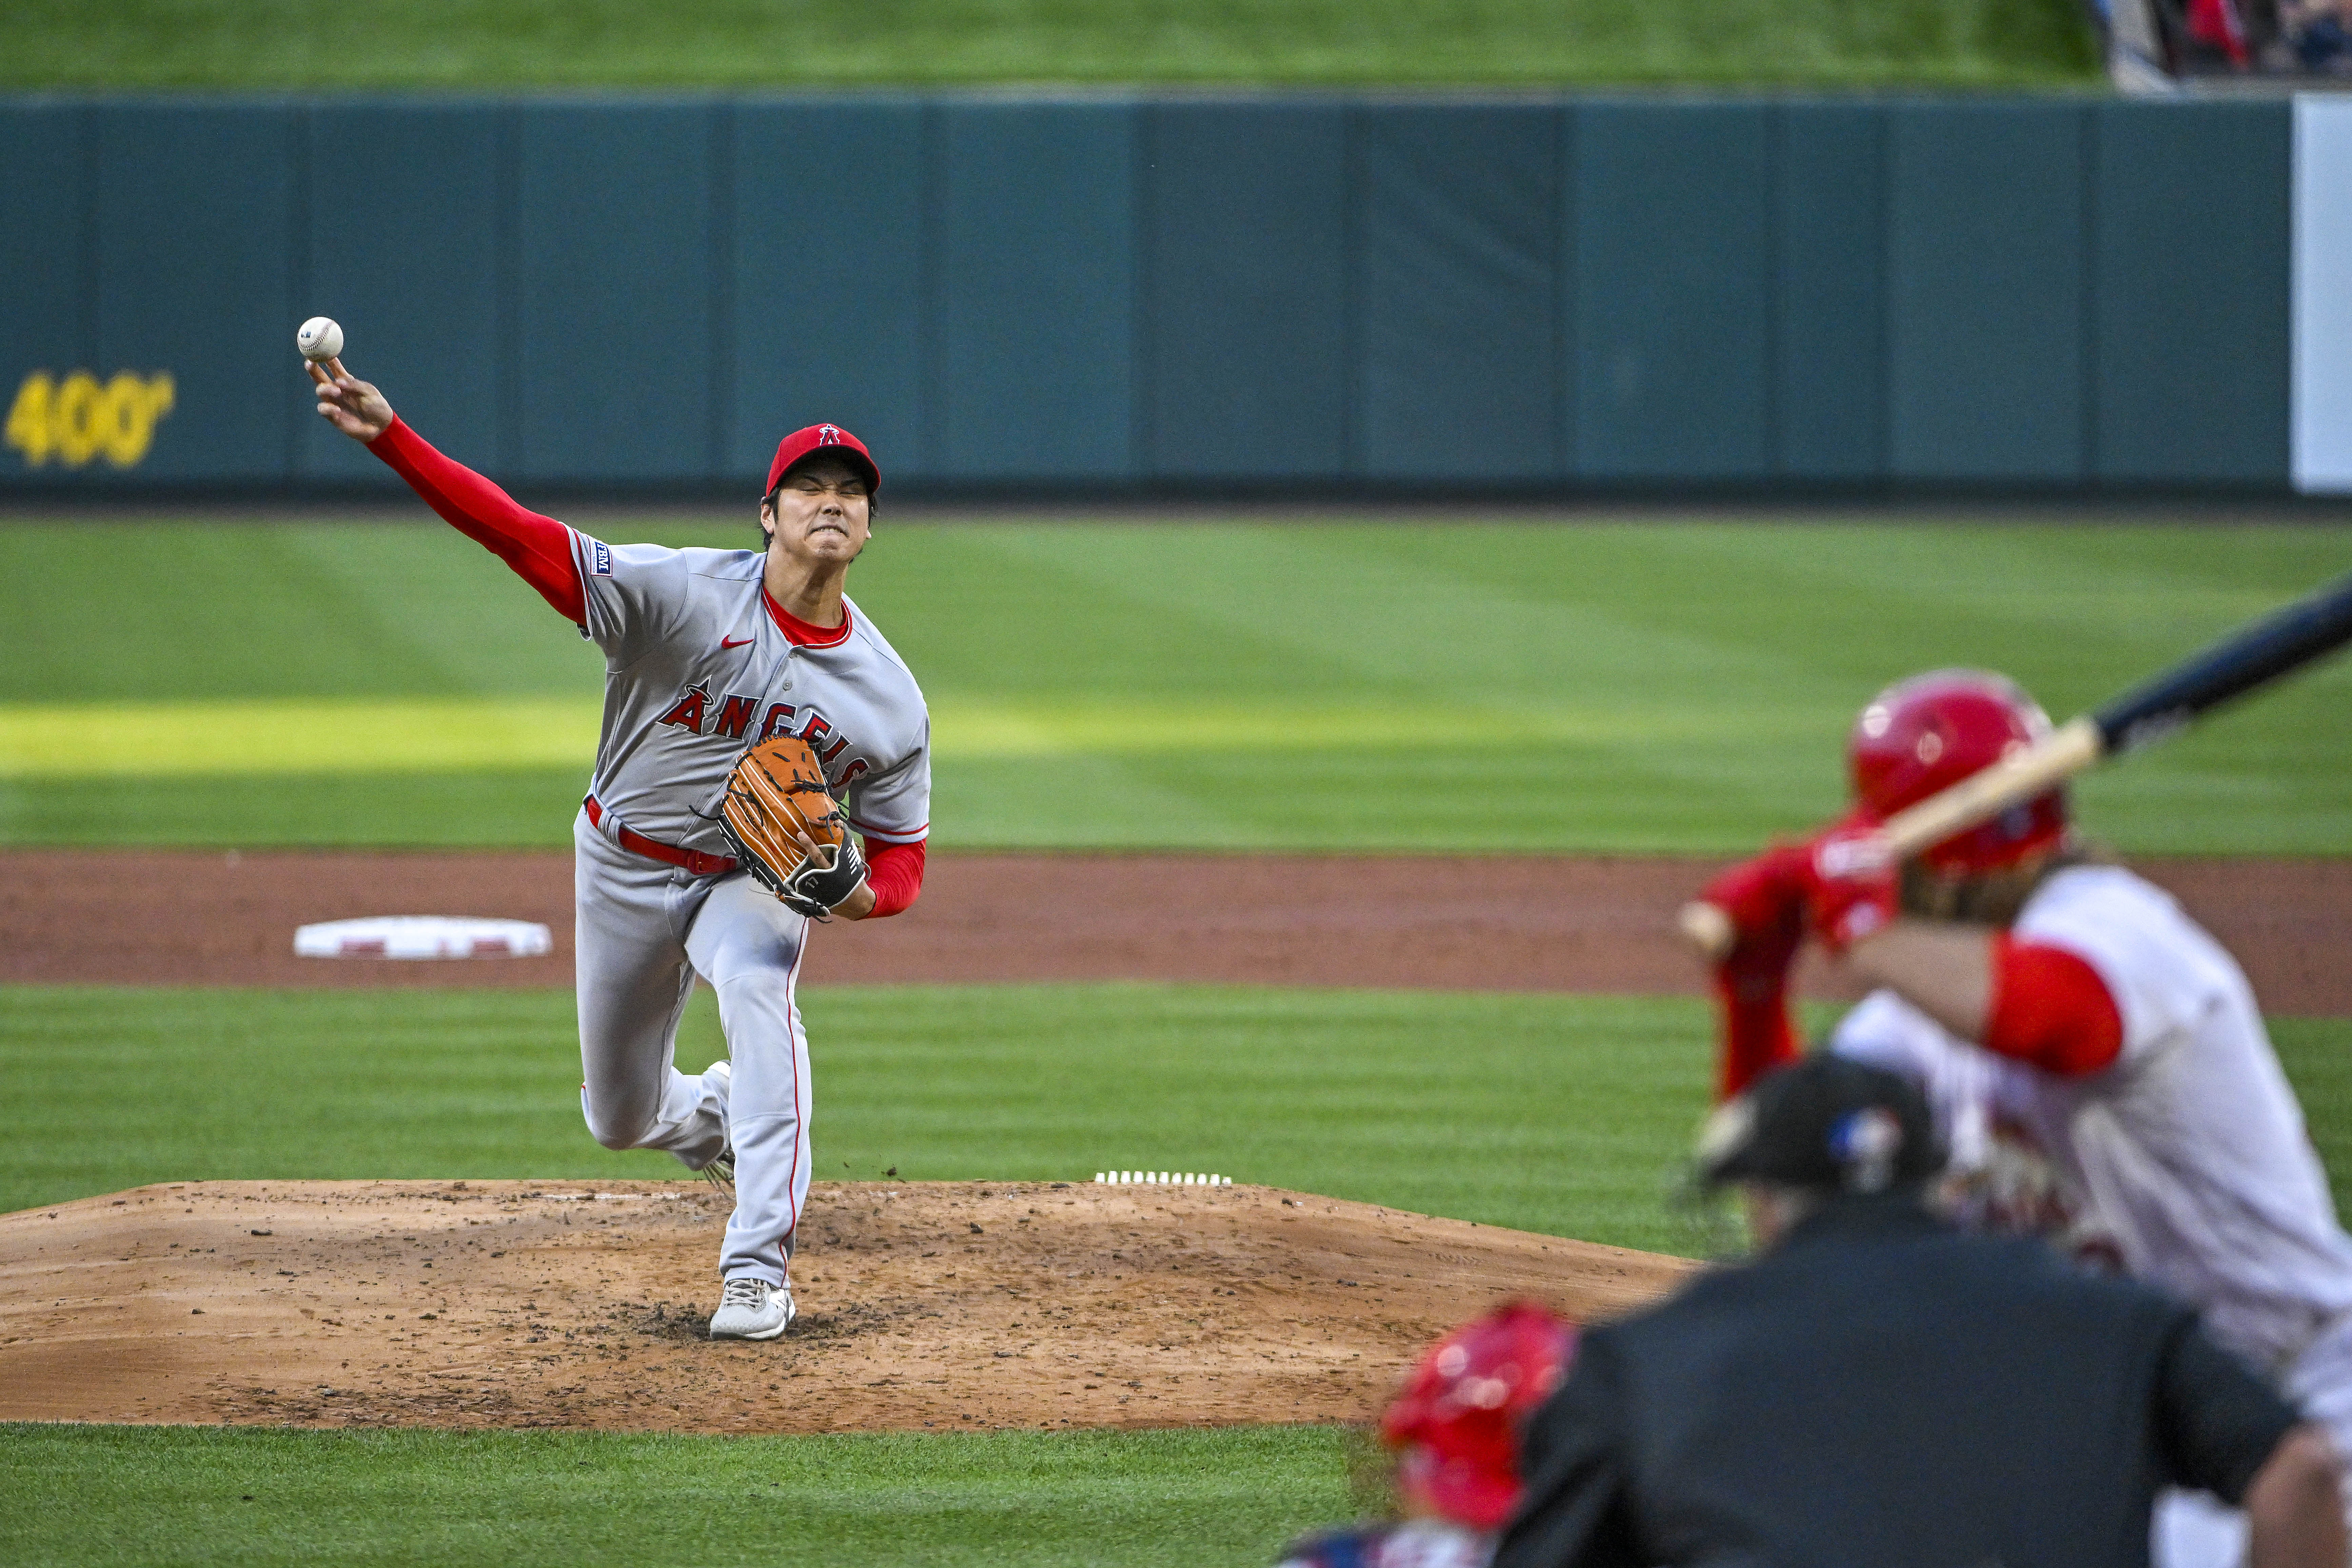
[1756, 1034]
[895, 872]
[2051, 1008]
[538, 548]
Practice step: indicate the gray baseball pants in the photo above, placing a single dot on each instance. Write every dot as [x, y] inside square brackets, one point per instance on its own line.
[644, 931]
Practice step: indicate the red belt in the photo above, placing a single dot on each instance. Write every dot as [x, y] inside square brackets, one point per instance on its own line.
[637, 843]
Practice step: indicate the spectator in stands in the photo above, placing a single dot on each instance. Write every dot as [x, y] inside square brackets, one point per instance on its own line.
[2319, 32]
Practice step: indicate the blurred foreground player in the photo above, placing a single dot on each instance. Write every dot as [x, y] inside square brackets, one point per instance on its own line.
[707, 653]
[1880, 1388]
[1456, 1430]
[2095, 1059]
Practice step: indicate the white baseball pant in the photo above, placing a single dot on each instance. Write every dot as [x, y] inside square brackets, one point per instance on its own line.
[2197, 1530]
[644, 931]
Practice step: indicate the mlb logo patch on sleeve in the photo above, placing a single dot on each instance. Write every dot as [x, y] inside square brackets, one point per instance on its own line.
[604, 566]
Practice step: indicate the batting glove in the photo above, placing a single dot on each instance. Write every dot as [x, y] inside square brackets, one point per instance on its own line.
[1851, 885]
[1764, 900]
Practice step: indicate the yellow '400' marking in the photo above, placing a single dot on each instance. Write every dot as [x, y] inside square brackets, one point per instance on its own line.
[76, 419]
[461, 734]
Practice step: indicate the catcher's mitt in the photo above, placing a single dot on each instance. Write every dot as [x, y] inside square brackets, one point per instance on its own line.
[777, 789]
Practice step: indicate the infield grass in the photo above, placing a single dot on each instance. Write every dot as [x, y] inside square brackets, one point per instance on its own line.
[1562, 1114]
[1559, 1113]
[1569, 1115]
[769, 44]
[1647, 686]
[85, 1496]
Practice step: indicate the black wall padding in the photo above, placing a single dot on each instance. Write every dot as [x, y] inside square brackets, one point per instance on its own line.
[1558, 294]
[1829, 295]
[1035, 279]
[402, 232]
[829, 211]
[1986, 361]
[2188, 320]
[1246, 304]
[1673, 290]
[618, 252]
[1460, 262]
[49, 322]
[194, 218]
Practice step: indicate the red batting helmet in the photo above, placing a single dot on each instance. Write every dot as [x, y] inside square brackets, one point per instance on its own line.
[1921, 735]
[829, 439]
[1458, 1419]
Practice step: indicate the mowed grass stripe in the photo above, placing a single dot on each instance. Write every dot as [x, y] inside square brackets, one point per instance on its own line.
[1557, 1113]
[296, 735]
[765, 45]
[1461, 1105]
[365, 735]
[83, 1496]
[1667, 686]
[1570, 1115]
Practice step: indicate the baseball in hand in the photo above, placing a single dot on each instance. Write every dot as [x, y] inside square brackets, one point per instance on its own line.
[320, 339]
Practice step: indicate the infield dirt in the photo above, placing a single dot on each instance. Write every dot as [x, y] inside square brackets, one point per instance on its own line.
[961, 1305]
[1457, 922]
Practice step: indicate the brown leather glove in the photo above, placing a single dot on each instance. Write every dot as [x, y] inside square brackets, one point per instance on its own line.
[779, 789]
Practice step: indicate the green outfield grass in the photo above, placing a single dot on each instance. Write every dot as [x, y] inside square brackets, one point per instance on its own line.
[766, 43]
[1557, 1113]
[1647, 687]
[81, 1497]
[1551, 1113]
[1564, 1114]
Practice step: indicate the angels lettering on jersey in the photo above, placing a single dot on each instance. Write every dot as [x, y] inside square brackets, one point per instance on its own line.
[732, 721]
[701, 667]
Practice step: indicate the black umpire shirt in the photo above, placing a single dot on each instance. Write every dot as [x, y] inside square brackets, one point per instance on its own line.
[1885, 1391]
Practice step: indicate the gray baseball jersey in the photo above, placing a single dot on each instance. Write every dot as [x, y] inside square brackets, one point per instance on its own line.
[699, 668]
[698, 671]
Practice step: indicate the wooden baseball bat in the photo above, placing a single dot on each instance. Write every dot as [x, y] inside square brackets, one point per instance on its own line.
[2247, 659]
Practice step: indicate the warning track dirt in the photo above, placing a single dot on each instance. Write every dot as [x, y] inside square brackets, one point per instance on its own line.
[946, 1305]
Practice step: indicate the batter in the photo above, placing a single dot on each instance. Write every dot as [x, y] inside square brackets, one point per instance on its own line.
[707, 652]
[2048, 1002]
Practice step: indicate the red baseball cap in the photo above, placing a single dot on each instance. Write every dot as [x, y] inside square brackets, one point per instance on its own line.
[1458, 1419]
[1921, 736]
[816, 438]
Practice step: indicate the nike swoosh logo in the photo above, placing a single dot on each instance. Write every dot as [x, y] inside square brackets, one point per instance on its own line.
[732, 642]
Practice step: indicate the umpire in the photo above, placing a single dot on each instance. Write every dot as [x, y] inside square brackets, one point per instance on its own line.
[1877, 1389]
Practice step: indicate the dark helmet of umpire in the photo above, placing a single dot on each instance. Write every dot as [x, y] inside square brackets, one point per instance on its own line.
[1823, 1124]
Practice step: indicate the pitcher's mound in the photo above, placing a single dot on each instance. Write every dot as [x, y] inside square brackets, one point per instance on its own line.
[943, 1305]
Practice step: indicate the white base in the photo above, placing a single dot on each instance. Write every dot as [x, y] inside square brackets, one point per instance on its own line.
[423, 936]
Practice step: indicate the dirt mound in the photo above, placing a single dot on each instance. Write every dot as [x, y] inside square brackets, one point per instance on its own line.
[1463, 922]
[479, 1304]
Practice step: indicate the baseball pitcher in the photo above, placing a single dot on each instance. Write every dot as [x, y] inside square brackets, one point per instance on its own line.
[2049, 1002]
[754, 718]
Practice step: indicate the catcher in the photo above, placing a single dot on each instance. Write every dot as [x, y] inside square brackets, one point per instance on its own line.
[1456, 1429]
[754, 719]
[2096, 1061]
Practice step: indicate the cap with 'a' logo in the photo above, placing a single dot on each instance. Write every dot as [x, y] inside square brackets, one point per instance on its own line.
[829, 441]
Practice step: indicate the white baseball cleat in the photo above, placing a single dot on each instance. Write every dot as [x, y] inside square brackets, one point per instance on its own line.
[720, 1171]
[752, 1309]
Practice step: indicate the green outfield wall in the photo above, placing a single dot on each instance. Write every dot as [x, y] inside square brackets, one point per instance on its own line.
[2052, 295]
